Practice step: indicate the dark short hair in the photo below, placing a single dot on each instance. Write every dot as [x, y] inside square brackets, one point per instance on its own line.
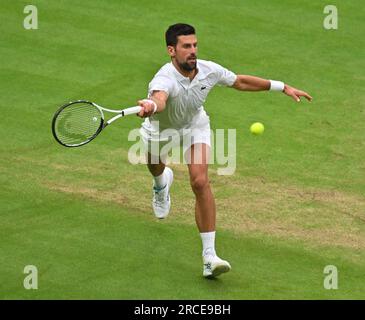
[179, 29]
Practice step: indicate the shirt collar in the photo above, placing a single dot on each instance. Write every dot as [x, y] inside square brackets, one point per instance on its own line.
[185, 81]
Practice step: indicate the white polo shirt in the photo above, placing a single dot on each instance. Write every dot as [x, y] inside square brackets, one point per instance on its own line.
[184, 106]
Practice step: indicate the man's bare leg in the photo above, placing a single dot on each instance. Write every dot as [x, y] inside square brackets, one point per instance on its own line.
[197, 157]
[156, 169]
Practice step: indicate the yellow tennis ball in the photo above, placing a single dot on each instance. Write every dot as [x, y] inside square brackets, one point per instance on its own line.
[257, 128]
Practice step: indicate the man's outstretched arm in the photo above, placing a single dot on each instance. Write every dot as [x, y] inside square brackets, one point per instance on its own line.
[251, 83]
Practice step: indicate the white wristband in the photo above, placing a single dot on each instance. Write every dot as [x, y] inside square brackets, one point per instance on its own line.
[276, 85]
[154, 104]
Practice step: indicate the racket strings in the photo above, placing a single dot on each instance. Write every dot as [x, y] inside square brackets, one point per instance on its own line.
[78, 123]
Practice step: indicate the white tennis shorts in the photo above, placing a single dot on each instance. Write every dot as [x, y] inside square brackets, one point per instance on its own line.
[161, 143]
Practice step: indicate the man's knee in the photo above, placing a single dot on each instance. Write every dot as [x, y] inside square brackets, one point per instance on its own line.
[199, 183]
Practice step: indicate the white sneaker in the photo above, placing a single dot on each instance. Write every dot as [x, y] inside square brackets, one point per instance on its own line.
[161, 202]
[214, 266]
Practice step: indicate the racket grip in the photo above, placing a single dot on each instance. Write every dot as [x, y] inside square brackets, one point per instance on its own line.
[132, 110]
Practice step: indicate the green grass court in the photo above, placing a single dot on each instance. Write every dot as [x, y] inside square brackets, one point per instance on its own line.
[83, 216]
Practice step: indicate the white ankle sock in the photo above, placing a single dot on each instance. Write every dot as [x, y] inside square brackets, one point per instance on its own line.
[160, 181]
[208, 239]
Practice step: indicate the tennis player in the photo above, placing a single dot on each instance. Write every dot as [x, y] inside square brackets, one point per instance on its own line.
[175, 100]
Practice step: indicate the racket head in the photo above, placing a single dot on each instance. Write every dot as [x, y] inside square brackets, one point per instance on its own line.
[77, 123]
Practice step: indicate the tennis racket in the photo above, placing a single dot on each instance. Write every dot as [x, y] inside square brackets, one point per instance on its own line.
[79, 122]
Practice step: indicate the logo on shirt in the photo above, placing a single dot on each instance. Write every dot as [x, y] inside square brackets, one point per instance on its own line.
[202, 88]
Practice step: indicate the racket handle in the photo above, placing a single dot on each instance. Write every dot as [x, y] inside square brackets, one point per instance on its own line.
[125, 112]
[132, 110]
